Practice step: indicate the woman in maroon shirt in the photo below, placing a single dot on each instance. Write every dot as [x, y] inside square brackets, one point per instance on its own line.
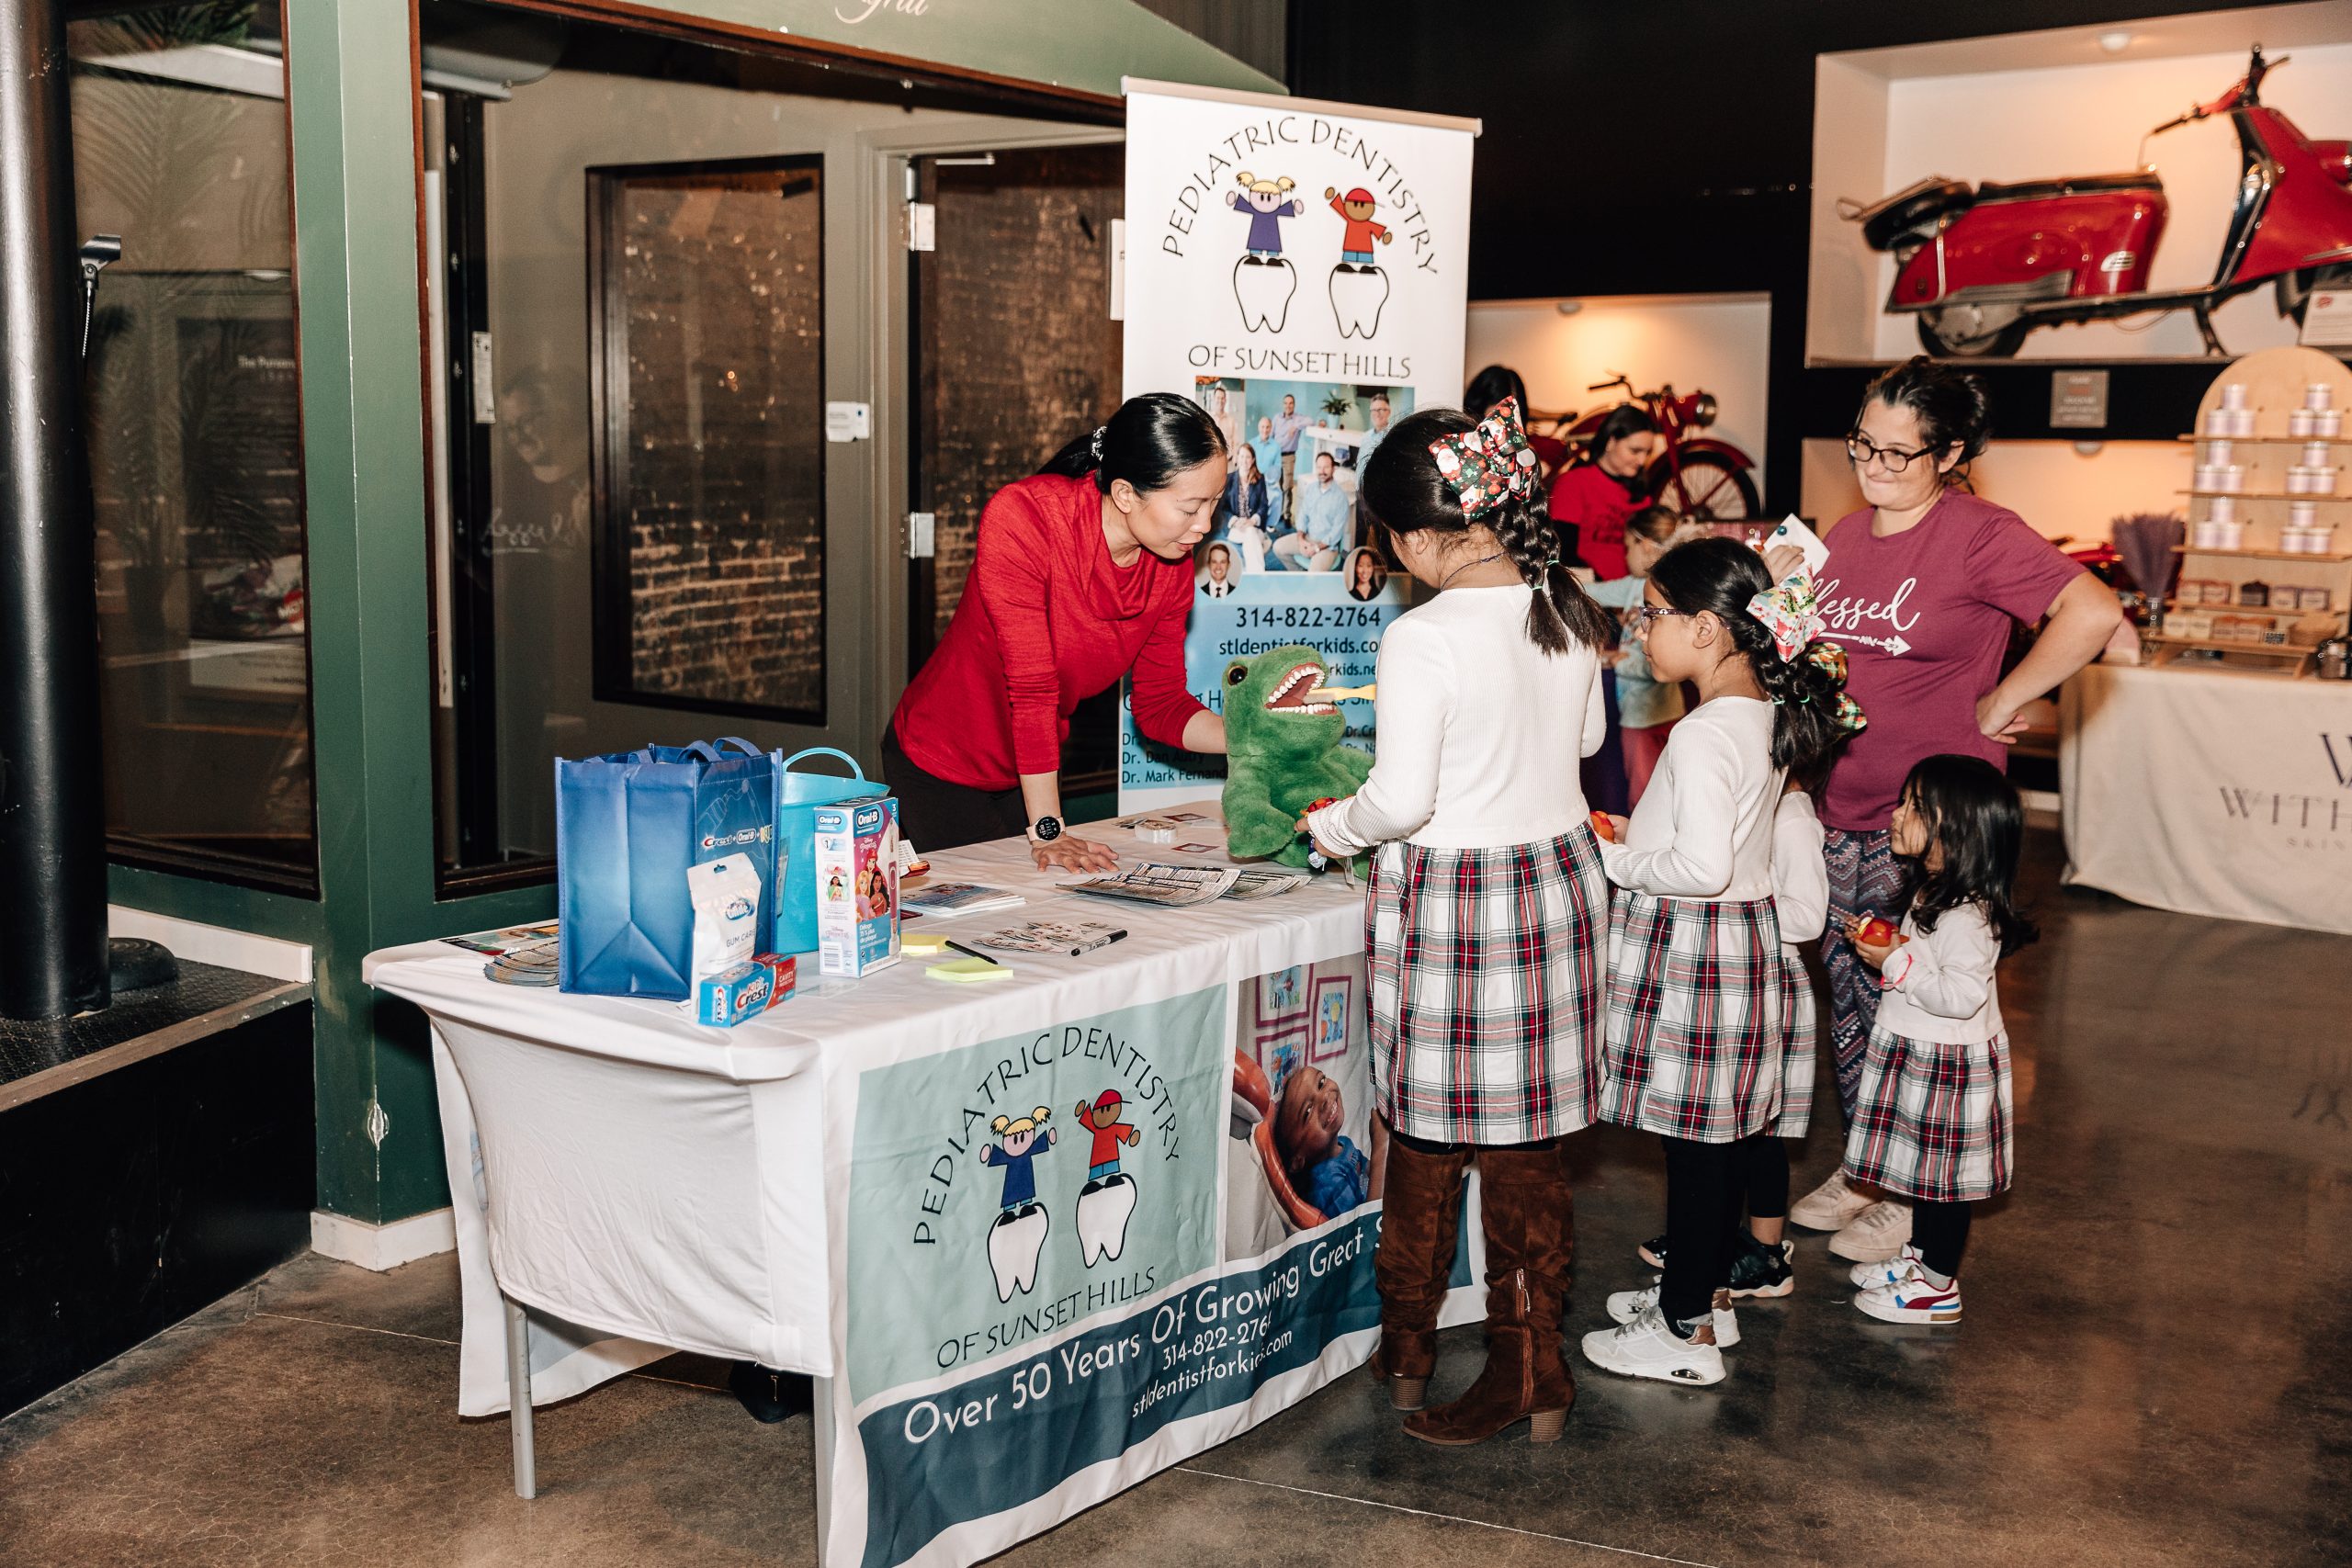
[1592, 501]
[1083, 574]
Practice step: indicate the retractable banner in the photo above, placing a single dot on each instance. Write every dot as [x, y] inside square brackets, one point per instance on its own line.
[1300, 270]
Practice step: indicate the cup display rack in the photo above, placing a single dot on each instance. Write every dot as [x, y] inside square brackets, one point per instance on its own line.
[2221, 613]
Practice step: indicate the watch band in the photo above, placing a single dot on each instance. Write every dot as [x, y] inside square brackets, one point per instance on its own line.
[1046, 829]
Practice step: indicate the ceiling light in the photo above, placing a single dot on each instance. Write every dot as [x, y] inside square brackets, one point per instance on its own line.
[2115, 42]
[1567, 307]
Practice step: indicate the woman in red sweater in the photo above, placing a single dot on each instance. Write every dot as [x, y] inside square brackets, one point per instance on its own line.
[1083, 574]
[1596, 497]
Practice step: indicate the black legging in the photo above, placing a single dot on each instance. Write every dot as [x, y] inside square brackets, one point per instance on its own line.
[1702, 1212]
[1764, 1162]
[934, 814]
[1940, 1233]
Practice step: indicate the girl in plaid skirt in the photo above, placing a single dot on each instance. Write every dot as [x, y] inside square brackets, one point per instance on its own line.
[1692, 1049]
[1486, 911]
[1931, 1120]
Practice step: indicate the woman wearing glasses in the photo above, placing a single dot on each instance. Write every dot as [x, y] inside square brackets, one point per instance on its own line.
[1920, 588]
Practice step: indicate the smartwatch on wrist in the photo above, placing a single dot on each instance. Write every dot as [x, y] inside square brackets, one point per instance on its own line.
[1044, 830]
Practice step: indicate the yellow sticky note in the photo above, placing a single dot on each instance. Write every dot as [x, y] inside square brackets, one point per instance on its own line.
[969, 971]
[922, 945]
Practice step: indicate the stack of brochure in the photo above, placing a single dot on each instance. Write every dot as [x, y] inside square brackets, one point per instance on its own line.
[957, 898]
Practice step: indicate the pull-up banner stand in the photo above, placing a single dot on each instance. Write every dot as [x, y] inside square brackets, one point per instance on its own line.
[1301, 270]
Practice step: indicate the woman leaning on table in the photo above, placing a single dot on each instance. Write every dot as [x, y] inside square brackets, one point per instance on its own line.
[1920, 590]
[1083, 575]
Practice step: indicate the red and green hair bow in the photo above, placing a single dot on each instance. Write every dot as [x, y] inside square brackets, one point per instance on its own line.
[1489, 463]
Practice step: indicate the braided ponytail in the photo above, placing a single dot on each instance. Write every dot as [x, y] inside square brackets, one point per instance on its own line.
[1559, 613]
[1719, 576]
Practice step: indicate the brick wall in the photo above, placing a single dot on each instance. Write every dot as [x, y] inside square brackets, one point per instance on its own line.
[723, 484]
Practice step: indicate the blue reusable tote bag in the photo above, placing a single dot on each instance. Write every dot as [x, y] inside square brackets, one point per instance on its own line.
[628, 825]
[798, 795]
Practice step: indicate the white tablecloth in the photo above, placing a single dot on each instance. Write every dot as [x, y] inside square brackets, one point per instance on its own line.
[669, 1185]
[2211, 793]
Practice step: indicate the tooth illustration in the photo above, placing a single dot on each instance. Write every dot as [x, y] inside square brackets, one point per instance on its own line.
[1357, 295]
[1103, 1210]
[1262, 288]
[1015, 1241]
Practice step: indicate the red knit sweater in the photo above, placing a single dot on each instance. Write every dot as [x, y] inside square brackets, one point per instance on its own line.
[1046, 620]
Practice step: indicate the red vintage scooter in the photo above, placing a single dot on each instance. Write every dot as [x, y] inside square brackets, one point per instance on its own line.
[1982, 266]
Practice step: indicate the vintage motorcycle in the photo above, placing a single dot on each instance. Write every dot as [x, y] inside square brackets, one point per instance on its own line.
[1982, 267]
[1700, 477]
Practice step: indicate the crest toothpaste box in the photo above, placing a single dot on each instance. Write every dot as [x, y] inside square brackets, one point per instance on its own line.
[858, 886]
[746, 990]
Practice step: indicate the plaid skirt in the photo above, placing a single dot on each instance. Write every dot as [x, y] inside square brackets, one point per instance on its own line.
[1800, 1044]
[1693, 1045]
[1932, 1120]
[1485, 968]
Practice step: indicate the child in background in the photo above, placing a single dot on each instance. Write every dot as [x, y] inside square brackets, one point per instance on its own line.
[1931, 1122]
[1693, 1045]
[1646, 707]
[1486, 910]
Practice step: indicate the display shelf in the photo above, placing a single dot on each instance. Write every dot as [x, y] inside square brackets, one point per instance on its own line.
[2273, 440]
[2263, 494]
[2315, 560]
[2179, 604]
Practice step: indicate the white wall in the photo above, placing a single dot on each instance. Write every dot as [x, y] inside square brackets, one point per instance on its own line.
[2037, 123]
[1718, 343]
[2060, 491]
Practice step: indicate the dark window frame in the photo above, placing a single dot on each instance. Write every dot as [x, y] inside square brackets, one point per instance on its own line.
[608, 545]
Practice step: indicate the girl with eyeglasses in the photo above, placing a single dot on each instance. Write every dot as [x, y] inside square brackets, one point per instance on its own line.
[1920, 589]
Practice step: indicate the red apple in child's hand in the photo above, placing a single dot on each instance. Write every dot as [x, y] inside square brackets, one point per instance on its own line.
[1872, 931]
[1601, 828]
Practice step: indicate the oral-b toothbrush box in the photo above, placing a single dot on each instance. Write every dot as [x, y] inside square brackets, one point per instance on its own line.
[858, 886]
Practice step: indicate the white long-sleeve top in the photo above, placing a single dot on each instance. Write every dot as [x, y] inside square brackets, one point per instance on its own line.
[1800, 876]
[1703, 829]
[1480, 732]
[1940, 985]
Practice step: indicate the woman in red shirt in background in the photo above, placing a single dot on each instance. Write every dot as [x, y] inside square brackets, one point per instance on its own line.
[1083, 574]
[1596, 497]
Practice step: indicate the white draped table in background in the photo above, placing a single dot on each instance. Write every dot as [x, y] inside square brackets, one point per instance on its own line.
[752, 1193]
[2211, 792]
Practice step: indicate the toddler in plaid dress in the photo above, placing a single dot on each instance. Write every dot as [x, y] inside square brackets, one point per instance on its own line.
[1486, 911]
[1693, 1042]
[1931, 1120]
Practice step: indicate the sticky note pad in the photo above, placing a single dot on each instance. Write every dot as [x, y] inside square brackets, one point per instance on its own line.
[923, 944]
[968, 971]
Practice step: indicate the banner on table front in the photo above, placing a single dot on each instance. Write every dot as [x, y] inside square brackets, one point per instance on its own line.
[1300, 270]
[1069, 1243]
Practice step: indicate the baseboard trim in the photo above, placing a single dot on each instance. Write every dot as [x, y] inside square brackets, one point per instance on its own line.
[215, 944]
[383, 1247]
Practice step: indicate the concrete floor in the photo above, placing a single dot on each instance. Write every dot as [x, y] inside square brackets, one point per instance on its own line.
[2144, 1376]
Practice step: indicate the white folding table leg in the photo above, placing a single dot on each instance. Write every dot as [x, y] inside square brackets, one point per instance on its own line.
[821, 1420]
[518, 1397]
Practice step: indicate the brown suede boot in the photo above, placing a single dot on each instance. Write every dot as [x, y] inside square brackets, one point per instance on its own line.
[1527, 1211]
[1420, 1221]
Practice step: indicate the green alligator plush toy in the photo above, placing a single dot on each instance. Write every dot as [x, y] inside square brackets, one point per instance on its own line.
[1283, 752]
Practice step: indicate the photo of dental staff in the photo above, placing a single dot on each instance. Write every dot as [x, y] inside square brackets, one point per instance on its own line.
[1367, 574]
[1219, 572]
[1275, 422]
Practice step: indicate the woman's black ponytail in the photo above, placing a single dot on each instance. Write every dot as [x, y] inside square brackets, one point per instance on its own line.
[1402, 489]
[1720, 575]
[1148, 443]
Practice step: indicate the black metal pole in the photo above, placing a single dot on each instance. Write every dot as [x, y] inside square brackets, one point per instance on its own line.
[52, 823]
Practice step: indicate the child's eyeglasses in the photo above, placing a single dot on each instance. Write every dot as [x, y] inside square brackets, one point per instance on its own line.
[1652, 613]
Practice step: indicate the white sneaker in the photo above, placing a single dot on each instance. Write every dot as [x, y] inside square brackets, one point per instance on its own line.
[1624, 1306]
[1876, 1233]
[1828, 1206]
[1646, 1347]
[1870, 1276]
[1912, 1299]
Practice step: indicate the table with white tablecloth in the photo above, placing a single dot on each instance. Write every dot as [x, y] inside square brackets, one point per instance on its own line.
[1033, 1236]
[2211, 792]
